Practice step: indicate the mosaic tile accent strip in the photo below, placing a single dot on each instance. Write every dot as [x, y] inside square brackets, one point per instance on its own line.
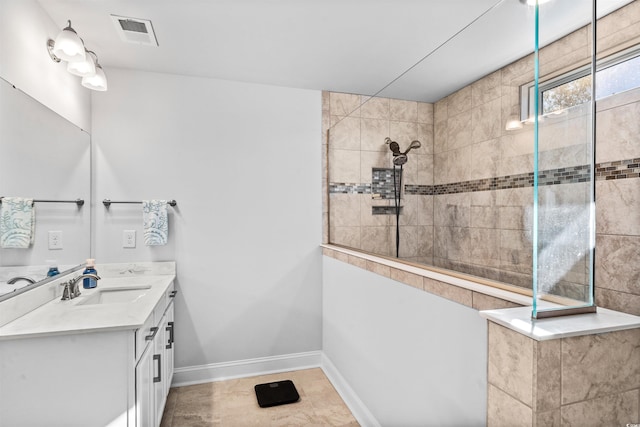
[620, 169]
[383, 184]
[384, 210]
[347, 188]
[382, 180]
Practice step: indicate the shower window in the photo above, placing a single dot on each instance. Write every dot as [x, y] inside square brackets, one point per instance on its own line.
[616, 74]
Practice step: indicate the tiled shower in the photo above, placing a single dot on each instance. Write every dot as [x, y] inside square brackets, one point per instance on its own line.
[468, 191]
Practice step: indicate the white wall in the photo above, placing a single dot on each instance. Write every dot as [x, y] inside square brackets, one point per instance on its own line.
[25, 62]
[243, 162]
[413, 358]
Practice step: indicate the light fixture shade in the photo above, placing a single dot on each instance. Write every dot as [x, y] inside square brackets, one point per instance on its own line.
[68, 45]
[85, 68]
[97, 81]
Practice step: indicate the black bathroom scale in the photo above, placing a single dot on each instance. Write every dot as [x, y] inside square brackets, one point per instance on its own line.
[276, 393]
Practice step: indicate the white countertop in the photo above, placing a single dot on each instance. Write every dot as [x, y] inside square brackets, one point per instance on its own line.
[72, 316]
[519, 319]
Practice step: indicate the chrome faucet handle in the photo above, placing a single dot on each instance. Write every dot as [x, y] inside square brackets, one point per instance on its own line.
[65, 293]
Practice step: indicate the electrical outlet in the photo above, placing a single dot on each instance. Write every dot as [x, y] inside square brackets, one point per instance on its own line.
[129, 239]
[55, 240]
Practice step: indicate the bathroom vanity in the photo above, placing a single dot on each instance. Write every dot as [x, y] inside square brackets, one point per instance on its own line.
[104, 358]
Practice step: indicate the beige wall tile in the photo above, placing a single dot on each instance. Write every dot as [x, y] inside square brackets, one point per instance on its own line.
[487, 302]
[373, 134]
[425, 210]
[486, 121]
[485, 159]
[425, 113]
[519, 72]
[547, 374]
[345, 133]
[485, 247]
[613, 268]
[506, 411]
[358, 262]
[367, 219]
[440, 169]
[344, 210]
[380, 269]
[547, 419]
[618, 133]
[450, 292]
[403, 133]
[598, 365]
[459, 165]
[515, 251]
[440, 137]
[340, 256]
[346, 236]
[567, 51]
[459, 131]
[406, 111]
[459, 101]
[344, 104]
[613, 410]
[487, 89]
[510, 363]
[618, 207]
[344, 166]
[620, 301]
[425, 242]
[409, 215]
[425, 136]
[375, 108]
[376, 240]
[407, 278]
[424, 168]
[408, 241]
[370, 160]
[440, 110]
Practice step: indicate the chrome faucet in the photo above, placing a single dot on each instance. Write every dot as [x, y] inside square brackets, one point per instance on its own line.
[16, 279]
[71, 289]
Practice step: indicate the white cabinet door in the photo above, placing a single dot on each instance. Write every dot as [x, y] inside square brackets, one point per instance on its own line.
[144, 390]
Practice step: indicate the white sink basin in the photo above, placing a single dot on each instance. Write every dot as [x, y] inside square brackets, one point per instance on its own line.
[116, 295]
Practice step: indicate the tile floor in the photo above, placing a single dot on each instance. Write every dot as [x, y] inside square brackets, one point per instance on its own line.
[233, 403]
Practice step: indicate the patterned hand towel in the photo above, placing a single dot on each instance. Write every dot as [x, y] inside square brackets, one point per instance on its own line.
[155, 222]
[17, 222]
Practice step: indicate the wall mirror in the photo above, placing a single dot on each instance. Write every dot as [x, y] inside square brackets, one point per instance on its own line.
[463, 199]
[45, 157]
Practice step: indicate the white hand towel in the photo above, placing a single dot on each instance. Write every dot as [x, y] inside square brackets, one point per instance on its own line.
[155, 222]
[17, 222]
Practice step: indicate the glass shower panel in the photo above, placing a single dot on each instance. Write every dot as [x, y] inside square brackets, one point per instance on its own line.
[563, 213]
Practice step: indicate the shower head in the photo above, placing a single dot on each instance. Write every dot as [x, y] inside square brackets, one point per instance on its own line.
[393, 146]
[400, 159]
[414, 144]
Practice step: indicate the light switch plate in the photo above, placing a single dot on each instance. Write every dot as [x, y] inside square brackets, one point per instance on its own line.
[129, 239]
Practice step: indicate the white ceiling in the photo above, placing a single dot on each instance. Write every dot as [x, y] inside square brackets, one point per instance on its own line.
[354, 46]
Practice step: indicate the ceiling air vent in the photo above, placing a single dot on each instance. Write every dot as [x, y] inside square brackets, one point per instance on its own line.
[134, 30]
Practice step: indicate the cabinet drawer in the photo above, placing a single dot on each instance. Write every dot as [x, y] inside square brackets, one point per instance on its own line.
[145, 335]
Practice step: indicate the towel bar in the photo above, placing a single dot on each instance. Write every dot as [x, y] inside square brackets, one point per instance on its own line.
[108, 202]
[78, 202]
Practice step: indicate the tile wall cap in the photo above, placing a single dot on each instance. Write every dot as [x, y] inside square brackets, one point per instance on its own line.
[441, 277]
[519, 320]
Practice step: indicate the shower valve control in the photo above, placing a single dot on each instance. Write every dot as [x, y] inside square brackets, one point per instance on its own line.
[129, 239]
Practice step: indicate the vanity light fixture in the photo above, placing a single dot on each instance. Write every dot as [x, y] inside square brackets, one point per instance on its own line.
[96, 82]
[69, 47]
[86, 67]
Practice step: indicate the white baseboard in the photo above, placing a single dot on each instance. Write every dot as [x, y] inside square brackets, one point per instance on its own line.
[359, 410]
[245, 368]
